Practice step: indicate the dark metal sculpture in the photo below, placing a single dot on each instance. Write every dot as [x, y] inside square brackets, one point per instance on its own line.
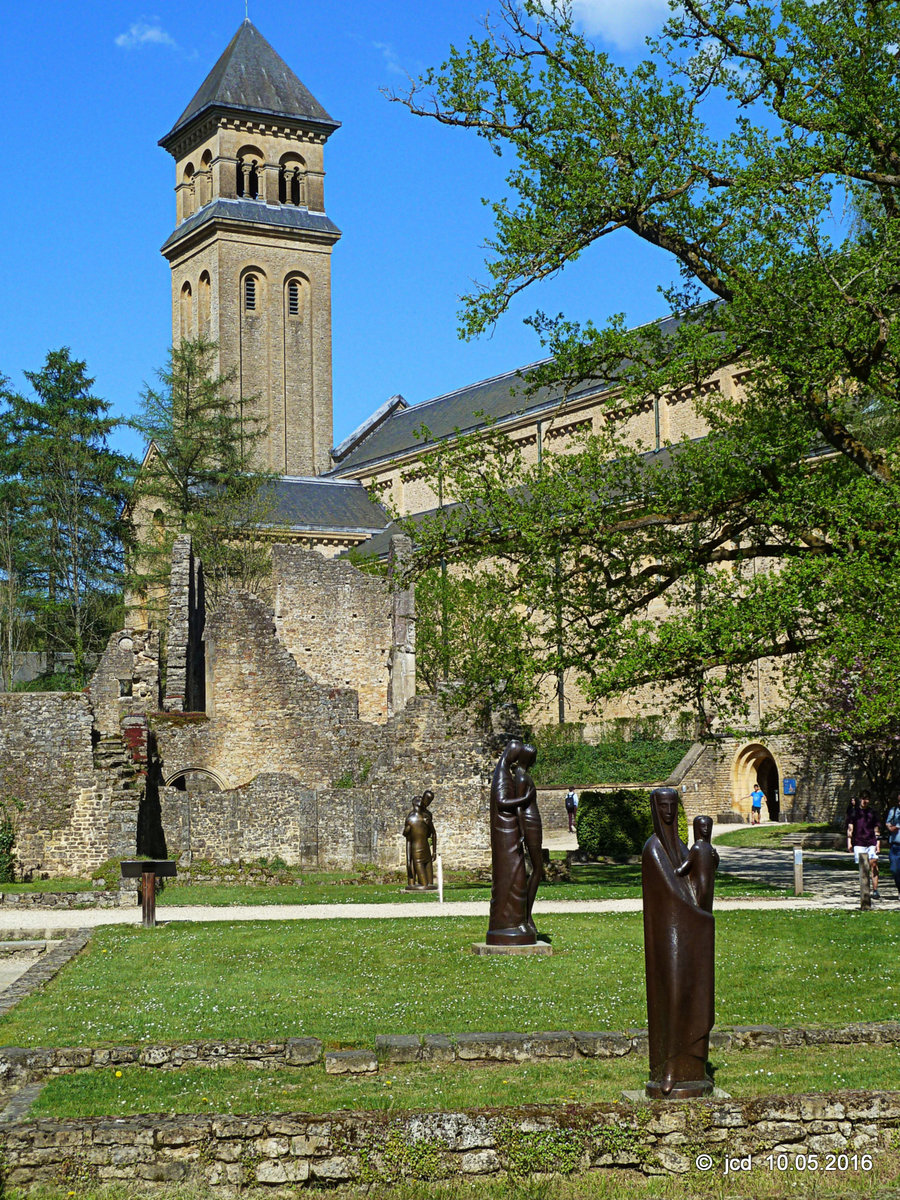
[148, 870]
[421, 845]
[515, 829]
[679, 950]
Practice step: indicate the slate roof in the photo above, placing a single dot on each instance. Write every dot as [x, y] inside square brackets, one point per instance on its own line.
[462, 411]
[313, 503]
[257, 213]
[251, 77]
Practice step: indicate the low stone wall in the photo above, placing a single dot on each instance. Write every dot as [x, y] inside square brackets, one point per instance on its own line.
[30, 1065]
[231, 1155]
[99, 899]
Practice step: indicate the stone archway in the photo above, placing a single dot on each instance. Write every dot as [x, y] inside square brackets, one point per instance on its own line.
[755, 763]
[198, 779]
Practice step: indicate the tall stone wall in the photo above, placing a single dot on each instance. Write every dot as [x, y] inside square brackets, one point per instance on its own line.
[345, 627]
[75, 808]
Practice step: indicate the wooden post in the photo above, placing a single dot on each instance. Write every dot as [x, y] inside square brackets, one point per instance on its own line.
[798, 870]
[865, 881]
[148, 898]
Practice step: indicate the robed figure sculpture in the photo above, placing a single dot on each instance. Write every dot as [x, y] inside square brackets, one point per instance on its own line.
[515, 833]
[679, 949]
[421, 845]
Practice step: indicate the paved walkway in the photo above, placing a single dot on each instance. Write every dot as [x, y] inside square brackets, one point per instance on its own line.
[828, 878]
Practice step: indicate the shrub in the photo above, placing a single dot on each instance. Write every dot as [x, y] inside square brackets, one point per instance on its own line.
[8, 841]
[617, 823]
[639, 761]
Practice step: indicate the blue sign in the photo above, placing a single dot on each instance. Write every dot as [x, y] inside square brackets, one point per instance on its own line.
[790, 787]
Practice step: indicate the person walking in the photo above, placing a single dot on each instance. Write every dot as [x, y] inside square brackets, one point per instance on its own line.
[864, 837]
[756, 800]
[571, 807]
[892, 821]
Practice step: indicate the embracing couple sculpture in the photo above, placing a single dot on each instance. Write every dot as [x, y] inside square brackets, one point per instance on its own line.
[515, 832]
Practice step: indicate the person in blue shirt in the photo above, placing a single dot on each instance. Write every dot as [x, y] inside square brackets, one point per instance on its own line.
[756, 799]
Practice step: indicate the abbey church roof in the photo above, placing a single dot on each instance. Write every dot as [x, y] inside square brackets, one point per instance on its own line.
[251, 77]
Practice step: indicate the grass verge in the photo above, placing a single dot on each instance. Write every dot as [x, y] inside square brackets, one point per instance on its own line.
[244, 1091]
[766, 837]
[345, 981]
[590, 881]
[882, 1183]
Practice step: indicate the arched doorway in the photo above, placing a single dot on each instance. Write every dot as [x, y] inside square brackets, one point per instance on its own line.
[195, 779]
[755, 764]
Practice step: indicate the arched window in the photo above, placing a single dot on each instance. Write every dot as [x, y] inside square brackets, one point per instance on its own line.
[293, 298]
[186, 191]
[187, 313]
[248, 163]
[203, 303]
[249, 293]
[203, 184]
[292, 180]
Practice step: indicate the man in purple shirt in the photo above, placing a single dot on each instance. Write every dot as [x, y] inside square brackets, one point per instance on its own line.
[864, 837]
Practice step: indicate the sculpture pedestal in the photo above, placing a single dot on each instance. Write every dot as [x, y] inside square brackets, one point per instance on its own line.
[534, 948]
[687, 1089]
[641, 1097]
[432, 887]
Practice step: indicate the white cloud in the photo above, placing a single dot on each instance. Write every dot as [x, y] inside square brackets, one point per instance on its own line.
[624, 23]
[141, 34]
[391, 60]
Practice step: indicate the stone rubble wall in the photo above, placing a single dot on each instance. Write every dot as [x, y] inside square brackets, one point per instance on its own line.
[231, 1155]
[337, 623]
[19, 1066]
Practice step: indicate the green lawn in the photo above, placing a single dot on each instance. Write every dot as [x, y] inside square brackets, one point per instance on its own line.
[345, 981]
[590, 881]
[767, 837]
[242, 1090]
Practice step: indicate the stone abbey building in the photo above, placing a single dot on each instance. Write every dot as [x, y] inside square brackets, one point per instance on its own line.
[294, 731]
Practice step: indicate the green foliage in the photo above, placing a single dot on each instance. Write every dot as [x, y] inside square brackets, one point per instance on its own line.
[637, 761]
[61, 537]
[201, 477]
[467, 635]
[735, 147]
[8, 840]
[617, 823]
[550, 1151]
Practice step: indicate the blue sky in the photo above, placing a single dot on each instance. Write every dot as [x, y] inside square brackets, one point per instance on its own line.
[90, 87]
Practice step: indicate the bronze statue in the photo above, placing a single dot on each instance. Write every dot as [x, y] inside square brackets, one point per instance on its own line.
[531, 829]
[679, 951]
[515, 825]
[419, 831]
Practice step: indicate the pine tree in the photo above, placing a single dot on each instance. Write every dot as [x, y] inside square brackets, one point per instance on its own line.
[200, 476]
[61, 492]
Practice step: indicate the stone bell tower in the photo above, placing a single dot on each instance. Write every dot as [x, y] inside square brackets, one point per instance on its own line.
[251, 251]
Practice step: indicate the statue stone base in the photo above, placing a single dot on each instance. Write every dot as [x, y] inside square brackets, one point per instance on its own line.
[415, 887]
[513, 948]
[686, 1089]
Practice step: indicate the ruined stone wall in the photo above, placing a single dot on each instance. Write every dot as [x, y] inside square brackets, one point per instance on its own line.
[77, 808]
[266, 716]
[274, 816]
[336, 621]
[185, 670]
[126, 680]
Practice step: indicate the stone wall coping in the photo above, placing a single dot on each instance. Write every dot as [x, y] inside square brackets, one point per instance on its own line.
[226, 1155]
[19, 1065]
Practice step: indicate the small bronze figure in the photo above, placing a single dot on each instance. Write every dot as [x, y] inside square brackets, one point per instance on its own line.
[419, 831]
[515, 824]
[679, 951]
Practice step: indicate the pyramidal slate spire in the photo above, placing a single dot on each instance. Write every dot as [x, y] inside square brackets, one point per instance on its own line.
[251, 77]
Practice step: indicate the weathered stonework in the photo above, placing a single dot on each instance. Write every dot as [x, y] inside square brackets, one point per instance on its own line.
[230, 1155]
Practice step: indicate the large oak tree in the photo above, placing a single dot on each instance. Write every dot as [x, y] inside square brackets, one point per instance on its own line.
[758, 146]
